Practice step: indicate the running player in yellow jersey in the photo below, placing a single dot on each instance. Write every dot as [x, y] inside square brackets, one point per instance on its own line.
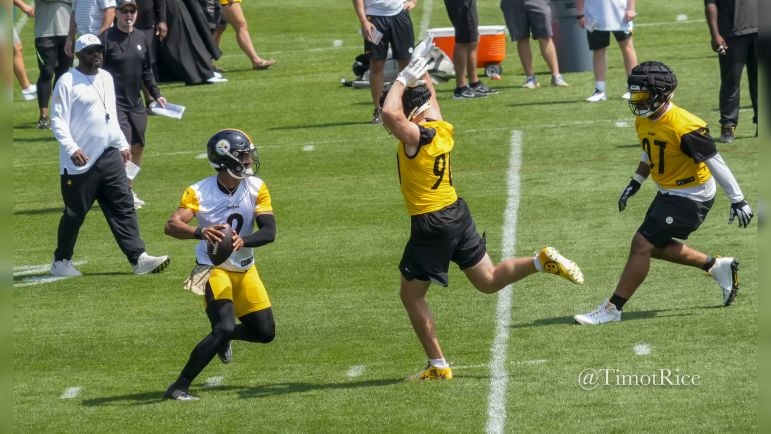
[681, 157]
[442, 229]
[234, 288]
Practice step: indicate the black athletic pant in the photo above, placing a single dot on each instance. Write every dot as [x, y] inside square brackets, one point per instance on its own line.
[52, 63]
[106, 183]
[742, 50]
[255, 327]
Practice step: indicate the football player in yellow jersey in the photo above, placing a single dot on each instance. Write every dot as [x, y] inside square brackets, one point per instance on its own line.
[231, 289]
[442, 229]
[681, 157]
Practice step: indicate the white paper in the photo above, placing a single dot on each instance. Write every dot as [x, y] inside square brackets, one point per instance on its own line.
[377, 35]
[132, 170]
[171, 110]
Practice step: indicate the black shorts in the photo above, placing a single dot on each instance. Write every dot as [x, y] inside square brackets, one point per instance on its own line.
[133, 125]
[525, 18]
[671, 216]
[599, 39]
[464, 18]
[397, 32]
[438, 237]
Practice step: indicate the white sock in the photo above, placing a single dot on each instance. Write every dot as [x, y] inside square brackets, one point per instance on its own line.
[537, 263]
[599, 85]
[438, 363]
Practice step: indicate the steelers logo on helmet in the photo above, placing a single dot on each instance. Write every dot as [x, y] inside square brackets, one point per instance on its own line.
[651, 85]
[232, 150]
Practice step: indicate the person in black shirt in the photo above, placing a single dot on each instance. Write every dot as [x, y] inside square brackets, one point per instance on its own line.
[127, 58]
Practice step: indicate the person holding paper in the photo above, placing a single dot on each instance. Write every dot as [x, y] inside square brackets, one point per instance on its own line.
[127, 58]
[92, 159]
[384, 23]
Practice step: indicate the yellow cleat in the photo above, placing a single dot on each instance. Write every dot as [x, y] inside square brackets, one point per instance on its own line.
[432, 373]
[554, 263]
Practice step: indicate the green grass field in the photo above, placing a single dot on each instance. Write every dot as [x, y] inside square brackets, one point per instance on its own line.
[94, 354]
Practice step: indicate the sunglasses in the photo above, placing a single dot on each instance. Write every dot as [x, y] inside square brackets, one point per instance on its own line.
[128, 11]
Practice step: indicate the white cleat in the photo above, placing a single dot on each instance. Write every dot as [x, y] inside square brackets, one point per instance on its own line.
[147, 264]
[605, 312]
[554, 263]
[726, 274]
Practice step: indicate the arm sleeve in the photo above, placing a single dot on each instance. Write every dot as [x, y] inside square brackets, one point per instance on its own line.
[725, 178]
[266, 232]
[148, 78]
[160, 11]
[698, 144]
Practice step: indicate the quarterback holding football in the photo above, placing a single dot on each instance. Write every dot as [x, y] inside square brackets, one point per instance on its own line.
[229, 203]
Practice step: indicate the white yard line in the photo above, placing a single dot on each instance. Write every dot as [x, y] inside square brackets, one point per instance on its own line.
[496, 400]
[70, 392]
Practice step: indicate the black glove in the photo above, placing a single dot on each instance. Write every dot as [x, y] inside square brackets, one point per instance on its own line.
[742, 211]
[628, 192]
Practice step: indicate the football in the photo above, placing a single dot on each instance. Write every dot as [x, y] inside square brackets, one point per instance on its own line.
[220, 252]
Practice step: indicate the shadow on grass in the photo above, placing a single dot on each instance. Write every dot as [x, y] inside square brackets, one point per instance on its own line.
[326, 125]
[627, 316]
[148, 398]
[39, 211]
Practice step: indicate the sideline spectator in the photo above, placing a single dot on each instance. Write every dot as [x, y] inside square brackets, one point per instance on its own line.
[733, 26]
[384, 23]
[526, 17]
[464, 18]
[92, 159]
[189, 48]
[28, 90]
[235, 17]
[600, 18]
[89, 17]
[686, 191]
[127, 59]
[151, 21]
[52, 24]
[442, 229]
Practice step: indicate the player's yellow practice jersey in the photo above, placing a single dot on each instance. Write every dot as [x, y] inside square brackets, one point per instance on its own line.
[212, 206]
[426, 178]
[677, 144]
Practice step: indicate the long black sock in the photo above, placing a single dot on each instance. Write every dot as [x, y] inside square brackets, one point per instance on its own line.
[618, 301]
[223, 320]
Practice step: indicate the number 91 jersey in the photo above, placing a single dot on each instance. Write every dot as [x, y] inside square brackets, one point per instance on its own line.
[212, 206]
[426, 177]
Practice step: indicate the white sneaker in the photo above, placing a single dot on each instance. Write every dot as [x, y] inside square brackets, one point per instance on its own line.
[557, 80]
[138, 203]
[216, 79]
[29, 93]
[605, 312]
[147, 264]
[531, 83]
[598, 95]
[64, 268]
[626, 96]
[726, 274]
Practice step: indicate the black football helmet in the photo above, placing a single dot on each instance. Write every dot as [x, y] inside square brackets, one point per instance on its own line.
[651, 86]
[233, 150]
[415, 100]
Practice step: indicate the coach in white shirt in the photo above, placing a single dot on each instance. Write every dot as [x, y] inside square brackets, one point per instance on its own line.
[92, 160]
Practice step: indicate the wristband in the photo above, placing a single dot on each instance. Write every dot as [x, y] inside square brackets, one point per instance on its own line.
[198, 234]
[639, 178]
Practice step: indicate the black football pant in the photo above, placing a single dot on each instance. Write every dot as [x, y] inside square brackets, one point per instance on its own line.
[105, 182]
[255, 327]
[52, 63]
[742, 50]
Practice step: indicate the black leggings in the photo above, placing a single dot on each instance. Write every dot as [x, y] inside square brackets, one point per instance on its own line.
[52, 63]
[255, 327]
